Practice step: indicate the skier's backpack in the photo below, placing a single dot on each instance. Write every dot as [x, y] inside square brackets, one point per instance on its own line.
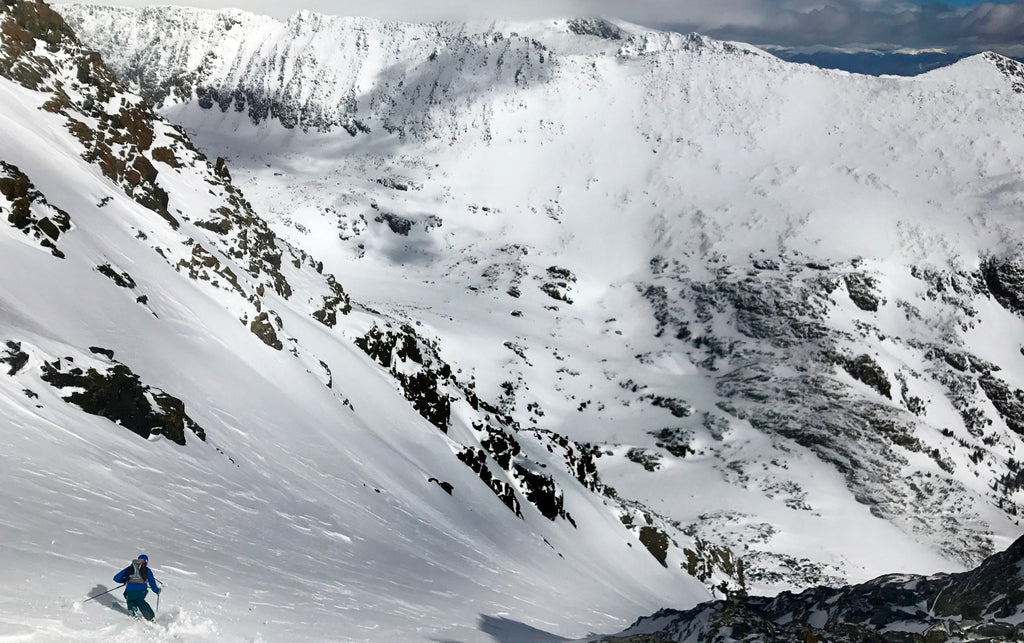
[139, 573]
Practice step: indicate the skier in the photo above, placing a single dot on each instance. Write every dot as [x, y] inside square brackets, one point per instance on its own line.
[137, 576]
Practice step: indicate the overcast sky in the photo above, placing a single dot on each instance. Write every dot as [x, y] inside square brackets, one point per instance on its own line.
[958, 24]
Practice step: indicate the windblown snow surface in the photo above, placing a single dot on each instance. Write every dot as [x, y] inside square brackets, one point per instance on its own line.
[556, 206]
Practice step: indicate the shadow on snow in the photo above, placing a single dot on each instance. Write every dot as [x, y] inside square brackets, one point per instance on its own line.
[505, 630]
[108, 600]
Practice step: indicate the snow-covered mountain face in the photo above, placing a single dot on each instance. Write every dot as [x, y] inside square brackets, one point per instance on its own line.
[177, 379]
[650, 304]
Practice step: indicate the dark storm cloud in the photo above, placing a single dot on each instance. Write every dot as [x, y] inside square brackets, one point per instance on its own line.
[767, 22]
[846, 23]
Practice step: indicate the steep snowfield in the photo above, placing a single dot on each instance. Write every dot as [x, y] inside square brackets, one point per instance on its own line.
[308, 511]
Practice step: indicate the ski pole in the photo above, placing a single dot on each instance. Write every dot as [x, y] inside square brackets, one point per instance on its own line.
[106, 592]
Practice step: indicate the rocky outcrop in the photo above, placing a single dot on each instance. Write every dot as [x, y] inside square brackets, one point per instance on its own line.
[423, 377]
[558, 284]
[1005, 280]
[27, 210]
[985, 604]
[14, 357]
[115, 131]
[496, 456]
[113, 391]
[266, 326]
[1012, 69]
[334, 303]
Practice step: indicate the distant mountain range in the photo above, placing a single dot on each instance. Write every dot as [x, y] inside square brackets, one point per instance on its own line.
[873, 63]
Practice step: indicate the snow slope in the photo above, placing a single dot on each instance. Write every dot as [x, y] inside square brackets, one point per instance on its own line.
[297, 503]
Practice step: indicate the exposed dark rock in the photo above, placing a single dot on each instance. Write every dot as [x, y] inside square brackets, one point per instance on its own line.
[1012, 481]
[865, 369]
[394, 349]
[337, 302]
[122, 279]
[1005, 280]
[27, 22]
[500, 445]
[558, 284]
[476, 460]
[862, 290]
[675, 441]
[961, 361]
[119, 395]
[705, 560]
[579, 458]
[247, 239]
[598, 27]
[649, 461]
[656, 542]
[204, 266]
[14, 357]
[398, 225]
[25, 203]
[1012, 69]
[255, 102]
[430, 385]
[678, 408]
[446, 486]
[542, 492]
[354, 126]
[166, 156]
[265, 326]
[220, 168]
[395, 184]
[106, 352]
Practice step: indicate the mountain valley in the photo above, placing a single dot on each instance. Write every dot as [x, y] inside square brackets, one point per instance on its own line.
[470, 331]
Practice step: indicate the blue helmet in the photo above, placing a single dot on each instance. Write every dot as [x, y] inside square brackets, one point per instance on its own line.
[144, 557]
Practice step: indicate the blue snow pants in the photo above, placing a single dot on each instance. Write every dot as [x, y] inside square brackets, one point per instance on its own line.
[137, 604]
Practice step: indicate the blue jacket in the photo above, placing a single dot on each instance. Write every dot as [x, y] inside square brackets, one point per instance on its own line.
[126, 573]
